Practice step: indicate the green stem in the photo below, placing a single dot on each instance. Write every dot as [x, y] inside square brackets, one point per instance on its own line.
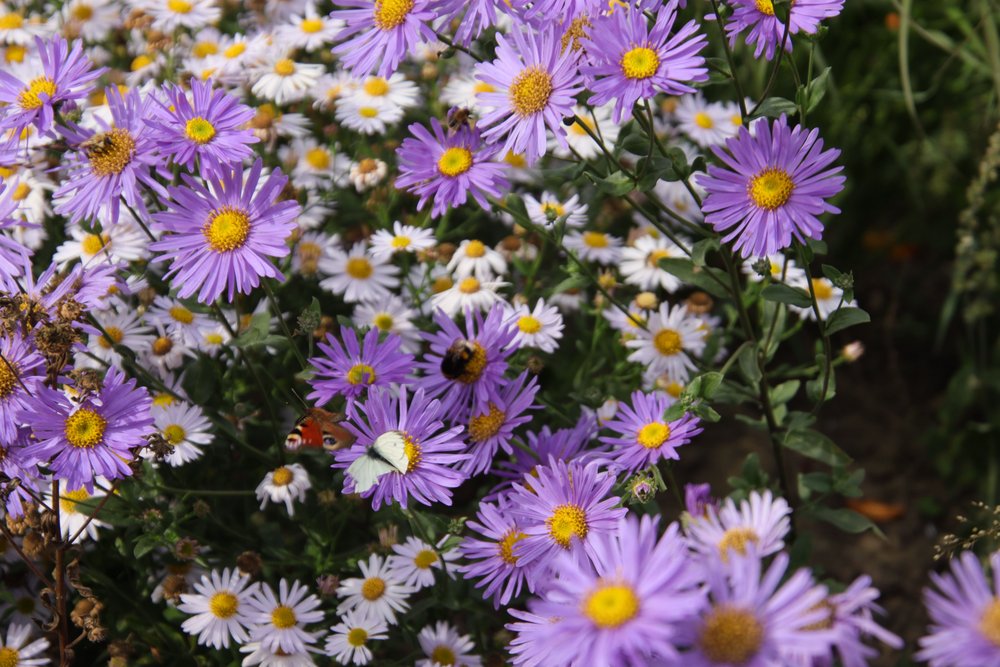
[284, 326]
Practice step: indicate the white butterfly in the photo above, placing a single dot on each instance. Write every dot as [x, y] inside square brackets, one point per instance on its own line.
[386, 454]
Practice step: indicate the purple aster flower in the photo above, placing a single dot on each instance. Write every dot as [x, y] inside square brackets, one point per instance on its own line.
[18, 462]
[643, 436]
[111, 164]
[566, 10]
[751, 621]
[93, 437]
[759, 524]
[223, 236]
[44, 292]
[352, 369]
[766, 31]
[493, 558]
[536, 82]
[449, 168]
[698, 500]
[622, 610]
[21, 369]
[492, 427]
[431, 449]
[13, 255]
[207, 125]
[476, 16]
[466, 369]
[66, 74]
[850, 618]
[563, 508]
[964, 608]
[772, 187]
[381, 32]
[629, 61]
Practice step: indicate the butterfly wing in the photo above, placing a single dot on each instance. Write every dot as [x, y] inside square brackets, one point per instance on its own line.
[307, 433]
[391, 447]
[366, 470]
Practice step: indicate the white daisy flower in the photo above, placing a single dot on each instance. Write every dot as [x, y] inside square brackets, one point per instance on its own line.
[378, 594]
[414, 561]
[307, 30]
[443, 645]
[17, 652]
[734, 120]
[238, 54]
[144, 67]
[122, 329]
[332, 87]
[220, 608]
[348, 640]
[24, 605]
[175, 317]
[72, 516]
[316, 212]
[402, 238]
[123, 242]
[368, 118]
[640, 263]
[291, 125]
[283, 80]
[358, 276]
[186, 428]
[759, 523]
[475, 258]
[309, 249]
[166, 352]
[280, 620]
[213, 339]
[628, 324]
[285, 484]
[580, 141]
[548, 210]
[539, 327]
[591, 246]
[391, 315]
[315, 165]
[780, 266]
[367, 173]
[671, 335]
[463, 90]
[280, 10]
[169, 15]
[396, 91]
[16, 28]
[265, 657]
[29, 195]
[705, 123]
[468, 294]
[675, 196]
[568, 301]
[829, 298]
[190, 571]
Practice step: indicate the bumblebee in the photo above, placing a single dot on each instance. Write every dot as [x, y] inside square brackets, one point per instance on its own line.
[458, 117]
[98, 144]
[456, 359]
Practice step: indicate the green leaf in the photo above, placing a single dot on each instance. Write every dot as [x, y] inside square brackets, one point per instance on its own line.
[674, 412]
[784, 392]
[818, 482]
[773, 107]
[845, 317]
[709, 384]
[847, 520]
[617, 184]
[699, 276]
[816, 89]
[782, 293]
[700, 249]
[815, 445]
[145, 544]
[831, 272]
[748, 364]
[637, 143]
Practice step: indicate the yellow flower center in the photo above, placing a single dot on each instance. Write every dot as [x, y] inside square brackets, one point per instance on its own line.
[213, 338]
[282, 476]
[401, 242]
[675, 389]
[667, 342]
[703, 120]
[468, 285]
[111, 151]
[29, 97]
[85, 429]
[368, 112]
[223, 604]
[8, 657]
[425, 558]
[730, 635]
[506, 546]
[182, 314]
[163, 400]
[443, 655]
[771, 188]
[553, 210]
[376, 86]
[475, 249]
[179, 6]
[284, 67]
[640, 63]
[383, 321]
[283, 617]
[737, 540]
[529, 324]
[736, 120]
[310, 26]
[359, 268]
[8, 380]
[202, 49]
[227, 229]
[653, 435]
[69, 499]
[140, 61]
[21, 192]
[655, 255]
[235, 50]
[199, 130]
[162, 346]
[413, 453]
[174, 434]
[318, 158]
[483, 87]
[92, 243]
[530, 91]
[581, 130]
[566, 522]
[357, 637]
[15, 53]
[455, 161]
[765, 7]
[391, 13]
[822, 288]
[595, 240]
[82, 12]
[372, 588]
[989, 624]
[611, 605]
[485, 426]
[440, 284]
[516, 160]
[11, 21]
[361, 374]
